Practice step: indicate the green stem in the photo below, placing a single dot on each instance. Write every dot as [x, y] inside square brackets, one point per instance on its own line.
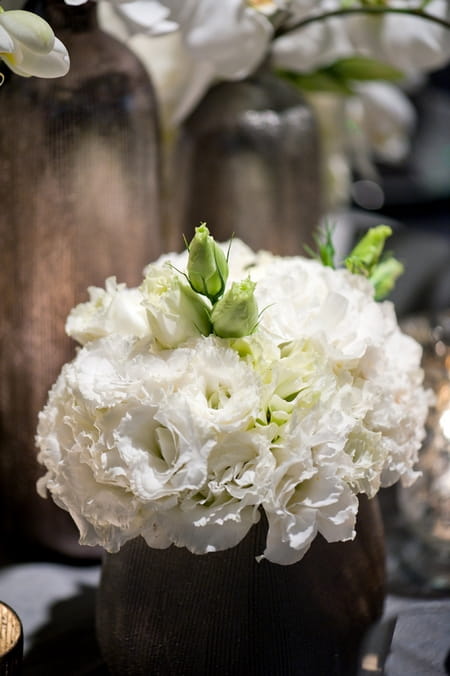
[374, 11]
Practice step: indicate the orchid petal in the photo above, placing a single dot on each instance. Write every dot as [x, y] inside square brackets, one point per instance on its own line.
[6, 42]
[29, 29]
[148, 16]
[54, 64]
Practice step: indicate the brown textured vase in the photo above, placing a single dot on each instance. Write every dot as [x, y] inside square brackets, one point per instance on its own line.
[247, 162]
[169, 612]
[79, 201]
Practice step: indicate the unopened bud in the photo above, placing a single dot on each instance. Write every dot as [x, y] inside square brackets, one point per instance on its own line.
[366, 254]
[384, 277]
[207, 267]
[236, 313]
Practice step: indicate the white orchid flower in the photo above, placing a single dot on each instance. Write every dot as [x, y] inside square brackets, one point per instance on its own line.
[409, 43]
[314, 45]
[228, 40]
[29, 46]
[304, 50]
[383, 118]
[218, 41]
[138, 16]
[269, 7]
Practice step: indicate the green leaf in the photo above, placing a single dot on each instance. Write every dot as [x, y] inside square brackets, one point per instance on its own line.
[325, 248]
[319, 81]
[360, 68]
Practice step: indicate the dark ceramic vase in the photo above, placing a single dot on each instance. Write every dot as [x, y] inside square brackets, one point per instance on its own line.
[247, 162]
[79, 201]
[169, 612]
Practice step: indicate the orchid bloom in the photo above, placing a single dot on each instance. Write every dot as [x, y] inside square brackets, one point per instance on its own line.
[227, 40]
[145, 16]
[312, 46]
[218, 41]
[382, 121]
[408, 43]
[29, 47]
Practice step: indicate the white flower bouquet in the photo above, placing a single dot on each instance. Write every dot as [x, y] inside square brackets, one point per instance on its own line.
[248, 383]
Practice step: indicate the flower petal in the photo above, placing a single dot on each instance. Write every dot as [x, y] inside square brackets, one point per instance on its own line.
[54, 64]
[6, 42]
[29, 29]
[148, 16]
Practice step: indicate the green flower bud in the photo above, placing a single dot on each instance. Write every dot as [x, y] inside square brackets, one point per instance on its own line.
[207, 267]
[366, 254]
[384, 277]
[236, 313]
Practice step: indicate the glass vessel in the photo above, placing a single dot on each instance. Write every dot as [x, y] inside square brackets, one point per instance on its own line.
[417, 517]
[425, 506]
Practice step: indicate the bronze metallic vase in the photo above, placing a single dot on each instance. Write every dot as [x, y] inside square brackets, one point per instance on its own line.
[79, 201]
[247, 162]
[169, 612]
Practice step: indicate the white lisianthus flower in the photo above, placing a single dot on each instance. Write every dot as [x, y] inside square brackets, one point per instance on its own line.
[184, 438]
[220, 515]
[153, 428]
[29, 47]
[175, 312]
[321, 504]
[114, 309]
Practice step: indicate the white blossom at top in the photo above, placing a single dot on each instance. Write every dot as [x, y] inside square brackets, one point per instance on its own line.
[230, 39]
[408, 43]
[217, 41]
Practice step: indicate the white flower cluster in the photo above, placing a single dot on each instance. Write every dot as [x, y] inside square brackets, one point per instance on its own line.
[230, 39]
[185, 440]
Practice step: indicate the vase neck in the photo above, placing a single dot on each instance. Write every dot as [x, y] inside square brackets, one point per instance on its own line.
[60, 16]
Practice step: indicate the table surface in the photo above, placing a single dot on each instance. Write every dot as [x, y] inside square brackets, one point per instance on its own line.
[56, 604]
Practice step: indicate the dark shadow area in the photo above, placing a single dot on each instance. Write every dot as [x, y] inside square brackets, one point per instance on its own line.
[67, 644]
[27, 550]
